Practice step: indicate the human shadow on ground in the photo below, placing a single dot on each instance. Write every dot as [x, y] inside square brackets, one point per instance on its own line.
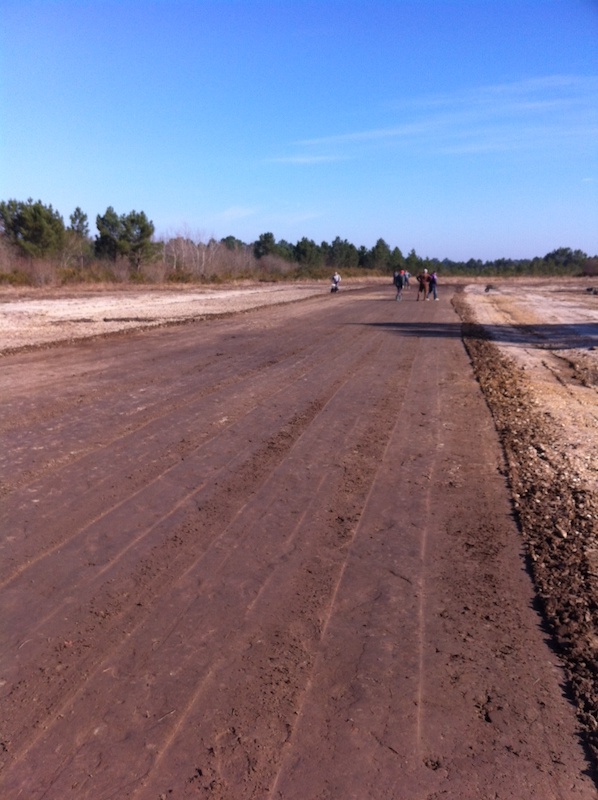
[545, 336]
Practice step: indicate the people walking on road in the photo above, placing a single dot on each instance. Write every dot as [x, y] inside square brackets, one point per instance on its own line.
[399, 282]
[423, 284]
[336, 279]
[407, 276]
[433, 284]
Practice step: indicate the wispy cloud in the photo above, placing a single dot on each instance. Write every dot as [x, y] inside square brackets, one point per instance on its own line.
[380, 134]
[550, 87]
[306, 159]
[540, 112]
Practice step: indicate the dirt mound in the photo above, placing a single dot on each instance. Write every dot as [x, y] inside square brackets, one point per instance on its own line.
[556, 513]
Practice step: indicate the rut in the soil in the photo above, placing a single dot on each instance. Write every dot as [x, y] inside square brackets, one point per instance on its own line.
[115, 606]
[229, 593]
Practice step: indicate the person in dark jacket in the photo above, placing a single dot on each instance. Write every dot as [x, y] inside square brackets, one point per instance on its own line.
[399, 282]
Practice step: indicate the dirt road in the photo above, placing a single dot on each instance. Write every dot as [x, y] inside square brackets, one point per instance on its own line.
[270, 556]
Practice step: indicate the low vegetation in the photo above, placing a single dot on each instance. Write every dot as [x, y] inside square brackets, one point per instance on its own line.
[37, 249]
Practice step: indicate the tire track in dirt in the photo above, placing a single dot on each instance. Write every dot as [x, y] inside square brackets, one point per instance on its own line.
[248, 458]
[443, 709]
[295, 582]
[61, 712]
[240, 746]
[357, 601]
[231, 431]
[141, 355]
[64, 435]
[364, 357]
[273, 790]
[205, 415]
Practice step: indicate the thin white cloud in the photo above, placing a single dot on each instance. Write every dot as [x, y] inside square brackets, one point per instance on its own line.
[305, 159]
[394, 132]
[528, 114]
[555, 88]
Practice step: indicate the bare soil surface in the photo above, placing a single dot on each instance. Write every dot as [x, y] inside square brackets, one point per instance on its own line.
[337, 548]
[536, 357]
[34, 317]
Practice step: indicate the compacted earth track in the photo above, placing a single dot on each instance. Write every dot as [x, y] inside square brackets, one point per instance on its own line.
[270, 556]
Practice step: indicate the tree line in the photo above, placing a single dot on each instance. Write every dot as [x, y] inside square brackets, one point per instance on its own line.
[36, 230]
[125, 247]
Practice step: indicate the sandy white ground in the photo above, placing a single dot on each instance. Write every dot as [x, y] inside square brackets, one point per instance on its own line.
[41, 317]
[550, 329]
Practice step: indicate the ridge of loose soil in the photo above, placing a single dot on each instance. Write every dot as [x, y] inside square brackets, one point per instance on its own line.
[556, 513]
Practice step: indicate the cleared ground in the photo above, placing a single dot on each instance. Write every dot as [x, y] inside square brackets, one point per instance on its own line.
[273, 555]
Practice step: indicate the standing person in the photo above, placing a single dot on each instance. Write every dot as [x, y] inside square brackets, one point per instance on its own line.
[433, 285]
[399, 282]
[423, 284]
[407, 276]
[336, 279]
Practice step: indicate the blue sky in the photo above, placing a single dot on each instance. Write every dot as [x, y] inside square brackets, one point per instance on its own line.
[461, 129]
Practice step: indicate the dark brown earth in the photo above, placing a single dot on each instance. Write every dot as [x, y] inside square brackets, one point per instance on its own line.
[556, 510]
[274, 556]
